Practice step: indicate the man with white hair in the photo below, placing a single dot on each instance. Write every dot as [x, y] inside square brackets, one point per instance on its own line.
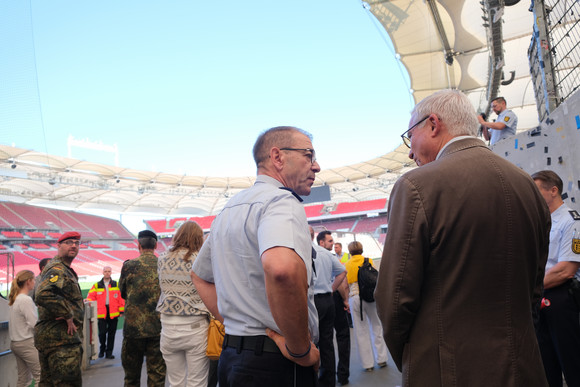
[464, 257]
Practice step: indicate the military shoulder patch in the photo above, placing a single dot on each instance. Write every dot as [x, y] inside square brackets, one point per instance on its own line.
[574, 214]
[53, 278]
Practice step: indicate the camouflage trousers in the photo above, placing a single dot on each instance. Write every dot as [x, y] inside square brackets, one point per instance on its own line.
[132, 355]
[61, 366]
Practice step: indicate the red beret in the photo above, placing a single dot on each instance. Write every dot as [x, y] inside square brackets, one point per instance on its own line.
[69, 235]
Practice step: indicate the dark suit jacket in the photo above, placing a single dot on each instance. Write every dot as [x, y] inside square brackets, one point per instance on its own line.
[462, 266]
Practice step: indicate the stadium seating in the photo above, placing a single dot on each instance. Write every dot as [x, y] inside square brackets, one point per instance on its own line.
[335, 225]
[9, 213]
[313, 211]
[30, 233]
[38, 246]
[103, 227]
[168, 227]
[12, 235]
[41, 254]
[97, 246]
[35, 234]
[123, 255]
[369, 225]
[358, 207]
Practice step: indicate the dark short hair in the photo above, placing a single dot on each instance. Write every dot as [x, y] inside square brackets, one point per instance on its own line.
[322, 236]
[43, 263]
[500, 99]
[549, 179]
[147, 233]
[148, 243]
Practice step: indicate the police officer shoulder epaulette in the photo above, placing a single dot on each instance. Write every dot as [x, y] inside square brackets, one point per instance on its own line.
[293, 193]
[574, 214]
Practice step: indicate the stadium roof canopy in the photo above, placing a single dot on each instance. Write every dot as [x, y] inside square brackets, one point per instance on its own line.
[473, 46]
[443, 44]
[39, 179]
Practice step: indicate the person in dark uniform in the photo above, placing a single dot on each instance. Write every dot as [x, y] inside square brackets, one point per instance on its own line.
[558, 328]
[139, 285]
[341, 314]
[59, 330]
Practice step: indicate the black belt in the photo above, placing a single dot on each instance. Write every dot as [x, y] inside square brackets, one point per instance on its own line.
[258, 344]
[323, 294]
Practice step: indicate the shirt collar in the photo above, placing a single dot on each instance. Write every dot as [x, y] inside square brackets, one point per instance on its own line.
[270, 180]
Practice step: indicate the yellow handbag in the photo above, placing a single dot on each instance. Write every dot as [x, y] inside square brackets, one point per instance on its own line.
[215, 339]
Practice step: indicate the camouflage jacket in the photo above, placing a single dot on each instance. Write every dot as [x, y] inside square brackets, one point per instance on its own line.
[139, 285]
[58, 297]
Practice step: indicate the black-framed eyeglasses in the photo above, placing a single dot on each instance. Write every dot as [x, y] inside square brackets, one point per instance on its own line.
[406, 138]
[311, 155]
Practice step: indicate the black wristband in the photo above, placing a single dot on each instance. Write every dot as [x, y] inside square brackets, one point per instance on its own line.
[298, 356]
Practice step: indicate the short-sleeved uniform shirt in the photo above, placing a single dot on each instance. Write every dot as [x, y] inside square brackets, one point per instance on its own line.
[327, 268]
[561, 234]
[255, 220]
[510, 120]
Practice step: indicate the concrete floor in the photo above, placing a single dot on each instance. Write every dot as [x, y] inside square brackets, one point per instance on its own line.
[109, 372]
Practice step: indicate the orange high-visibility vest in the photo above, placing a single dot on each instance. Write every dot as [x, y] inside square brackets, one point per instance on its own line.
[116, 303]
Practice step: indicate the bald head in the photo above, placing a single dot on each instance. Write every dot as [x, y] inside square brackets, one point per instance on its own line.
[107, 271]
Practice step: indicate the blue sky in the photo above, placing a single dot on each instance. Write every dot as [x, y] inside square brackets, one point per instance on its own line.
[186, 86]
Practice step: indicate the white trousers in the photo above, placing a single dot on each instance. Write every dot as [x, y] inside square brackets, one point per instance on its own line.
[27, 361]
[363, 330]
[183, 347]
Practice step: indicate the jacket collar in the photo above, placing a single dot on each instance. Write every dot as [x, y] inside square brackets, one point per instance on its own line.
[112, 283]
[461, 143]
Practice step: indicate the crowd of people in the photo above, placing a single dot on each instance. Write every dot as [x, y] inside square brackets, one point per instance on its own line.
[467, 294]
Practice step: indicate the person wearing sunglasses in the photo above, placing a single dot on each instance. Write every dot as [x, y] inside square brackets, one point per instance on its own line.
[59, 331]
[464, 257]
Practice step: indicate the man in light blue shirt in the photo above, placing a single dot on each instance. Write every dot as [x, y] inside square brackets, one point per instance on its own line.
[255, 270]
[330, 274]
[504, 126]
[558, 328]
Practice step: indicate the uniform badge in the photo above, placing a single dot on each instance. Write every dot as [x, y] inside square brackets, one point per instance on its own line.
[576, 246]
[574, 214]
[53, 278]
[506, 119]
[576, 242]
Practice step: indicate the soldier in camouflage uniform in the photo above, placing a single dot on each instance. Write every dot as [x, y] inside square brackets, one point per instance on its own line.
[59, 330]
[139, 285]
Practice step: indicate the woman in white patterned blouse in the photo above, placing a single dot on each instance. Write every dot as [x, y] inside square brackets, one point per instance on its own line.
[184, 317]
